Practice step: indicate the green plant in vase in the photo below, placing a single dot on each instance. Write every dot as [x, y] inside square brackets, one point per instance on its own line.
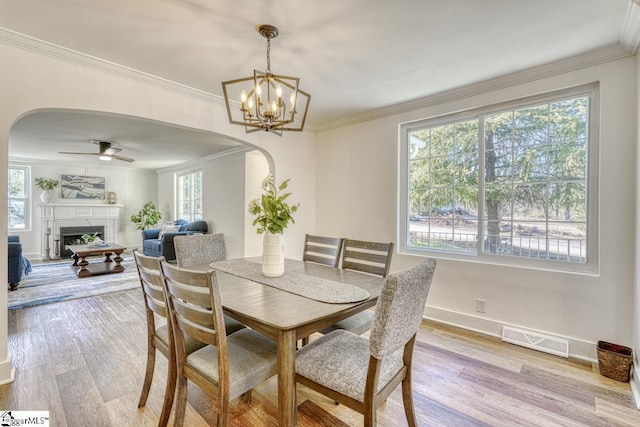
[89, 238]
[272, 215]
[46, 185]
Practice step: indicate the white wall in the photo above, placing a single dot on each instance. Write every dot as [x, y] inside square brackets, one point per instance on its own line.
[42, 77]
[357, 179]
[228, 183]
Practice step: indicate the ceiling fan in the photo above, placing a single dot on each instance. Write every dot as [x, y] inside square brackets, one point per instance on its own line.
[107, 152]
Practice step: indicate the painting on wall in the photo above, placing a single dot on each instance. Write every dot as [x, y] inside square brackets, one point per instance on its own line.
[82, 187]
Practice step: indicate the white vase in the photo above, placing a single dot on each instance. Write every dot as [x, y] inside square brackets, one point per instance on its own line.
[45, 196]
[273, 255]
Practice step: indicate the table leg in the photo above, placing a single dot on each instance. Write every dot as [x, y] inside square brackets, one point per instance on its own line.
[287, 378]
[107, 257]
[75, 260]
[118, 260]
[83, 268]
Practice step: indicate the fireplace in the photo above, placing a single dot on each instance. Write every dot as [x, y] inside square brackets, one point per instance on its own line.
[71, 236]
[84, 216]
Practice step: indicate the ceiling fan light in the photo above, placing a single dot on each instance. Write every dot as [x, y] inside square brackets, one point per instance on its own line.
[105, 158]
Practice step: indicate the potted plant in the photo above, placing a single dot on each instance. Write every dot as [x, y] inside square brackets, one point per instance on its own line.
[46, 185]
[91, 238]
[272, 215]
[147, 216]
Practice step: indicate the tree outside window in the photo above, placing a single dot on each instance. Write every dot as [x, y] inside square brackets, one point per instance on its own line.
[509, 183]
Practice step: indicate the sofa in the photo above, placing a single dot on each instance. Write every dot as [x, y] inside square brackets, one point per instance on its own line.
[158, 242]
[16, 262]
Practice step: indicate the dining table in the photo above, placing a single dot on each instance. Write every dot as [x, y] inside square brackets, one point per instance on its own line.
[306, 299]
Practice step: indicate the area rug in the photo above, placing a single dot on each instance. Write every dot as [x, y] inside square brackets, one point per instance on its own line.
[49, 283]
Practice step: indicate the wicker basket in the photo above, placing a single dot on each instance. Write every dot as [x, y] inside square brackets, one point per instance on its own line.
[614, 361]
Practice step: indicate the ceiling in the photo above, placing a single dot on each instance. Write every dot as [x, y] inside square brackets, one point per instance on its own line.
[353, 57]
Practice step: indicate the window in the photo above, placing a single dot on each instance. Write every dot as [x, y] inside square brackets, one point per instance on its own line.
[189, 195]
[506, 183]
[18, 215]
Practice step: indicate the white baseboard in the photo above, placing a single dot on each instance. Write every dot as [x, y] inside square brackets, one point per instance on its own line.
[578, 349]
[635, 385]
[7, 371]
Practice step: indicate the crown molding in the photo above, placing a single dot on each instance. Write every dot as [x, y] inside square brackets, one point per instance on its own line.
[32, 44]
[194, 164]
[595, 57]
[629, 42]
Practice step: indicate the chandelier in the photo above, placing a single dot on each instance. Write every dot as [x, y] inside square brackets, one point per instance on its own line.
[267, 101]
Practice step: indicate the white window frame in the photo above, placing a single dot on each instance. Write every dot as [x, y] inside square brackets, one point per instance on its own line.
[591, 266]
[27, 199]
[192, 215]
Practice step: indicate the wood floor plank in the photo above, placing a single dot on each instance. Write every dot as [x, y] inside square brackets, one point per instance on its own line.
[81, 401]
[84, 361]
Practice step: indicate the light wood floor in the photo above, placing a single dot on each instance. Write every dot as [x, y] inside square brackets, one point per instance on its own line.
[83, 360]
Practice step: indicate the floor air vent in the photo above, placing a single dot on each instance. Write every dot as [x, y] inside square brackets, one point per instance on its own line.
[536, 341]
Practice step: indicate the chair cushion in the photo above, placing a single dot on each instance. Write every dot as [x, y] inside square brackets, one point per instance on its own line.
[358, 323]
[340, 361]
[252, 360]
[153, 245]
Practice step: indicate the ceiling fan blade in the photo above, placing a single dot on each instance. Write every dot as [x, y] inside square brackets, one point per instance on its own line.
[112, 150]
[124, 159]
[75, 152]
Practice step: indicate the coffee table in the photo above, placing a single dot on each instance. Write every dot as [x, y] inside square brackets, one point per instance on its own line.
[85, 269]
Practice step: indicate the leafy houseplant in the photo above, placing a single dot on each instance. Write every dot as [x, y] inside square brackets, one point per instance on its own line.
[46, 184]
[272, 212]
[147, 216]
[273, 215]
[89, 238]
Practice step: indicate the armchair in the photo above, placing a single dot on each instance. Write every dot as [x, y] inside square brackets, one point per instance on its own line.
[157, 243]
[16, 263]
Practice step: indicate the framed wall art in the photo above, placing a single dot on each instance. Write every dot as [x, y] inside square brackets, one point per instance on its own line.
[82, 187]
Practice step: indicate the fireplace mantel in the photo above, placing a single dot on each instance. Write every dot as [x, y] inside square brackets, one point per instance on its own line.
[56, 215]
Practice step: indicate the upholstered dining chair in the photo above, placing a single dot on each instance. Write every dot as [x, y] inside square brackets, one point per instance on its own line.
[368, 257]
[361, 373]
[228, 366]
[160, 336]
[199, 249]
[322, 250]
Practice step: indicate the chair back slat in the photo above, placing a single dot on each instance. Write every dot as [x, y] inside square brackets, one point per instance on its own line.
[151, 282]
[400, 308]
[322, 249]
[197, 249]
[368, 257]
[194, 307]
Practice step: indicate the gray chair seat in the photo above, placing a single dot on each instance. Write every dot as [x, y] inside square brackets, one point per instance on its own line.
[252, 358]
[340, 360]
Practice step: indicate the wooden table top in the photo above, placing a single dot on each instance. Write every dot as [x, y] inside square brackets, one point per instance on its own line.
[259, 305]
[89, 249]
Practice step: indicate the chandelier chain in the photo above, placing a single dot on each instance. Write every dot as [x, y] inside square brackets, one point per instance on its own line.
[268, 55]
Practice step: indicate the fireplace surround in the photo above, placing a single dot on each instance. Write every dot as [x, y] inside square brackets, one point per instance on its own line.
[58, 217]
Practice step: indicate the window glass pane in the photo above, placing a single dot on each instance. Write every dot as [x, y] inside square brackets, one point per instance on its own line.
[443, 178]
[189, 193]
[533, 191]
[18, 198]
